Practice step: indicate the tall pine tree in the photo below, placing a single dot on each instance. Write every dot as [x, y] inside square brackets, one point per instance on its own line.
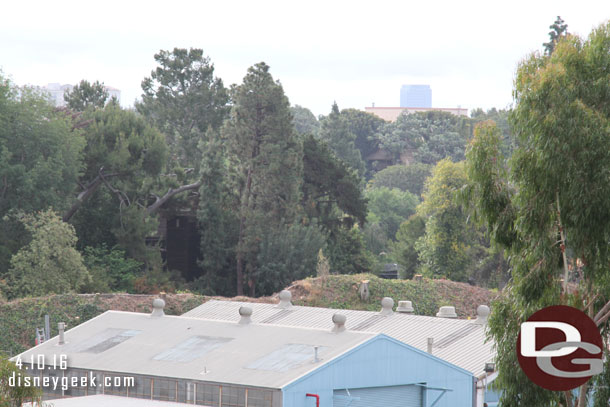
[336, 133]
[267, 154]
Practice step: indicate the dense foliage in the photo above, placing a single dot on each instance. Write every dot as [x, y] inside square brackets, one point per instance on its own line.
[548, 206]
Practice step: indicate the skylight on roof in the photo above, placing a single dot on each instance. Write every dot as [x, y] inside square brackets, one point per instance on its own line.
[289, 356]
[108, 338]
[192, 348]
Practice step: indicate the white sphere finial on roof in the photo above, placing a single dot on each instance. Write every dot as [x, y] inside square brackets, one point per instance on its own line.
[387, 304]
[285, 298]
[246, 313]
[158, 305]
[339, 321]
[483, 312]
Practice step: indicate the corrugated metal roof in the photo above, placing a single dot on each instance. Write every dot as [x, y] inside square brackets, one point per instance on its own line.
[164, 345]
[458, 341]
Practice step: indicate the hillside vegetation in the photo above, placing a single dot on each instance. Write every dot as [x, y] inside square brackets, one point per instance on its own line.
[20, 318]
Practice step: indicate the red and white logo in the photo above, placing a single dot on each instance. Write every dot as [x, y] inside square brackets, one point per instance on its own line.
[560, 348]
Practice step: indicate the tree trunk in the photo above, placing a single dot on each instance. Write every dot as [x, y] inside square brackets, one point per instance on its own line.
[242, 232]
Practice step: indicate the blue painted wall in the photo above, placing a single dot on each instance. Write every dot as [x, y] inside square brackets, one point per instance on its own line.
[382, 361]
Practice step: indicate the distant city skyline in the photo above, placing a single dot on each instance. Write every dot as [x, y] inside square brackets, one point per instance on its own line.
[353, 53]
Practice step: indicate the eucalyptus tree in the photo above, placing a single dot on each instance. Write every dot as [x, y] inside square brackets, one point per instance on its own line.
[549, 204]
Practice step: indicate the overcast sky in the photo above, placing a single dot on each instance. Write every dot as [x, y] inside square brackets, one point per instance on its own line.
[356, 53]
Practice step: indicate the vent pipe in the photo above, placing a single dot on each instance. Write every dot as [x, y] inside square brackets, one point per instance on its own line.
[387, 304]
[430, 344]
[61, 327]
[406, 307]
[339, 322]
[315, 354]
[446, 312]
[47, 328]
[246, 313]
[158, 305]
[285, 299]
[482, 315]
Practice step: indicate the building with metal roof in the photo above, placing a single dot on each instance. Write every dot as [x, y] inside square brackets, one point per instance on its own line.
[458, 341]
[242, 363]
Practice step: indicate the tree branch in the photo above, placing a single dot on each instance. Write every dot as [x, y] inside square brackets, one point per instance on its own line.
[122, 196]
[86, 193]
[601, 313]
[170, 193]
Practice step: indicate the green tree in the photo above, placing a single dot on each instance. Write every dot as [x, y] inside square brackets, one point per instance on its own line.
[110, 269]
[404, 250]
[347, 253]
[266, 152]
[182, 98]
[500, 117]
[365, 126]
[331, 190]
[549, 207]
[218, 222]
[49, 263]
[125, 157]
[15, 396]
[122, 151]
[445, 248]
[287, 255]
[85, 95]
[336, 133]
[558, 29]
[389, 208]
[404, 177]
[427, 136]
[40, 161]
[304, 121]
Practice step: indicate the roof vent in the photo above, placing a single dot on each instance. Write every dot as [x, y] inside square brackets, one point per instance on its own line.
[339, 321]
[386, 306]
[446, 312]
[482, 315]
[430, 345]
[158, 305]
[405, 307]
[246, 313]
[61, 327]
[285, 297]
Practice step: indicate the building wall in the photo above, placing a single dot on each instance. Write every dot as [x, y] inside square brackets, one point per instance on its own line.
[383, 362]
[392, 113]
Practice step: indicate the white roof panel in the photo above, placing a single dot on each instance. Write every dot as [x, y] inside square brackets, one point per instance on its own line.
[198, 349]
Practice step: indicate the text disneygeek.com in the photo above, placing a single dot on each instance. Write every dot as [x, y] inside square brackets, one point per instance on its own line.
[64, 383]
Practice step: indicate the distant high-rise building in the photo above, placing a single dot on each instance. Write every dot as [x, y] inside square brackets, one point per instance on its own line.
[415, 96]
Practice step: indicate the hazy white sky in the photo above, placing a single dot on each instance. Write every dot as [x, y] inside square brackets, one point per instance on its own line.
[354, 52]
